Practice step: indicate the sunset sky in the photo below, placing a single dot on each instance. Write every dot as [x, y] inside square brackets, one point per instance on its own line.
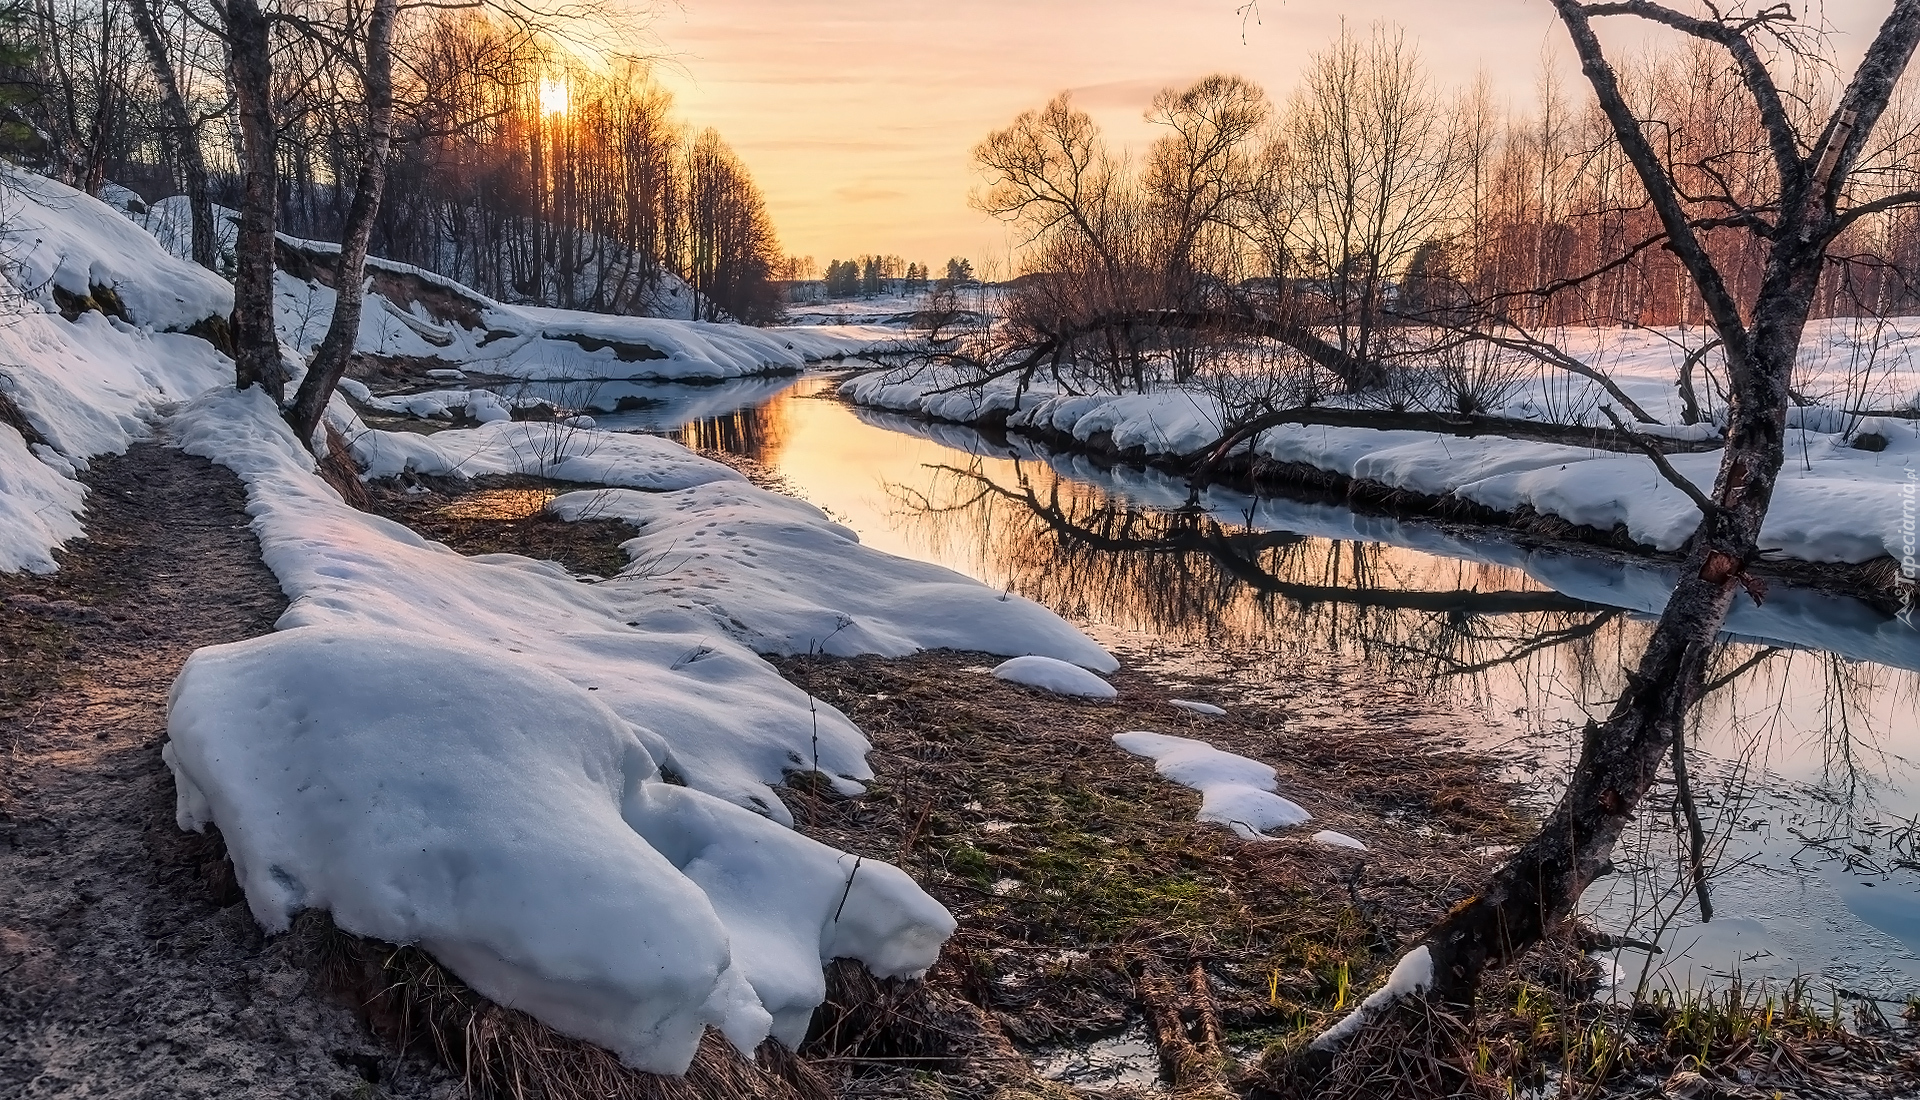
[858, 117]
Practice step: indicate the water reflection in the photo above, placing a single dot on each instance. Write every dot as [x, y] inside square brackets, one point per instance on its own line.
[1800, 756]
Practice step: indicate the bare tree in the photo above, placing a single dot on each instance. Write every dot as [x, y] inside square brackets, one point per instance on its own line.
[184, 134]
[1371, 172]
[1816, 165]
[330, 360]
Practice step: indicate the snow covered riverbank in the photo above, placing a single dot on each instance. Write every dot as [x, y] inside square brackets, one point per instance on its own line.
[563, 790]
[1839, 500]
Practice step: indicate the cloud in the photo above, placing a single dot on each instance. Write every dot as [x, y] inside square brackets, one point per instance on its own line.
[863, 192]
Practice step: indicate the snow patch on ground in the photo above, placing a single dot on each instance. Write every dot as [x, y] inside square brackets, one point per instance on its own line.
[1337, 840]
[1234, 791]
[469, 753]
[1413, 973]
[495, 338]
[89, 386]
[1191, 706]
[772, 573]
[1059, 677]
[551, 449]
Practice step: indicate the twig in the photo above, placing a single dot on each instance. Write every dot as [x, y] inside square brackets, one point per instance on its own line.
[1652, 450]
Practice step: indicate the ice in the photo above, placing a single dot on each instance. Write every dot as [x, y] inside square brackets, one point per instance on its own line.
[1056, 676]
[1234, 791]
[1413, 973]
[1199, 708]
[1337, 840]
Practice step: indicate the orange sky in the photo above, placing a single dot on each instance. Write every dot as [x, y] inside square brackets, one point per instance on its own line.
[858, 117]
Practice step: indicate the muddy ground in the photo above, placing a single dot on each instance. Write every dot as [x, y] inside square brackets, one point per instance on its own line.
[129, 966]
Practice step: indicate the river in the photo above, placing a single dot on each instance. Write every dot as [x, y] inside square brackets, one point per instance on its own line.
[1803, 756]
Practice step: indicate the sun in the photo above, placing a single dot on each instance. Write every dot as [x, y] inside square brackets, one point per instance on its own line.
[553, 97]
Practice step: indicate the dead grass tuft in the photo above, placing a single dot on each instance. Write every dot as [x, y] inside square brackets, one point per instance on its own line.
[499, 514]
[417, 1004]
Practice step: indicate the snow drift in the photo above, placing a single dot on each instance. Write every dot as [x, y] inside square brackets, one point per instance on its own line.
[427, 791]
[565, 790]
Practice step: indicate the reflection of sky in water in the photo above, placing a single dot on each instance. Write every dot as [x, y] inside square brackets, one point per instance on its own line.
[1804, 783]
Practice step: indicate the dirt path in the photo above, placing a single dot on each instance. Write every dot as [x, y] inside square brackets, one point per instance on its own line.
[129, 966]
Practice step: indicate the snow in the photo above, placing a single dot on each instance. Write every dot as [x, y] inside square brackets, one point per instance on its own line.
[775, 574]
[1199, 708]
[59, 237]
[1234, 791]
[1337, 840]
[537, 343]
[1834, 502]
[433, 792]
[87, 387]
[1055, 676]
[469, 753]
[1413, 973]
[559, 450]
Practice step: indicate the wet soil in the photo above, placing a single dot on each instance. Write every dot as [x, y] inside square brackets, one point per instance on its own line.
[129, 965]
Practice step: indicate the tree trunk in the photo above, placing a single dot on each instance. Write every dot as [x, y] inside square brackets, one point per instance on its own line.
[330, 361]
[250, 75]
[186, 137]
[1619, 759]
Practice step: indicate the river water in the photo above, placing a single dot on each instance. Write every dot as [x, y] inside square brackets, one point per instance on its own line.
[1804, 756]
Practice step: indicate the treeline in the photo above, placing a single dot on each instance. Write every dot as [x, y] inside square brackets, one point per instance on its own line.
[1371, 206]
[531, 176]
[869, 276]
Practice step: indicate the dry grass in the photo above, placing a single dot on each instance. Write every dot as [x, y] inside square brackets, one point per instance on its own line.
[503, 515]
[1066, 860]
[418, 1004]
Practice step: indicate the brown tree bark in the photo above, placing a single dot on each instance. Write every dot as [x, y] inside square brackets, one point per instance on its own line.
[250, 76]
[349, 278]
[186, 137]
[1540, 886]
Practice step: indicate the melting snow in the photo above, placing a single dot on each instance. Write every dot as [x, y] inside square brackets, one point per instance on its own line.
[1234, 791]
[1056, 676]
[1199, 708]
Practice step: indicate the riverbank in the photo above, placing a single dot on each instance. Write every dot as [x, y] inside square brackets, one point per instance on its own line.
[1835, 525]
[1088, 895]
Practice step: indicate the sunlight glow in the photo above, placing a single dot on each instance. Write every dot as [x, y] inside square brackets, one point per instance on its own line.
[553, 97]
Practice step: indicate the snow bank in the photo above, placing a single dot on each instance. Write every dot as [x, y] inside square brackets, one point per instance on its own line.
[1835, 502]
[1234, 791]
[426, 791]
[775, 574]
[59, 237]
[414, 312]
[1058, 677]
[1337, 840]
[478, 755]
[86, 387]
[560, 450]
[1413, 973]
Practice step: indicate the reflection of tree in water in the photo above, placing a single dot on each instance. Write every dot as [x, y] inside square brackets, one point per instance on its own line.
[1480, 633]
[758, 432]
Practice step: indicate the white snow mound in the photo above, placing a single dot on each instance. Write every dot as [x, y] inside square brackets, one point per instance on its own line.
[1413, 973]
[1207, 709]
[1234, 791]
[778, 576]
[1056, 676]
[426, 791]
[1337, 840]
